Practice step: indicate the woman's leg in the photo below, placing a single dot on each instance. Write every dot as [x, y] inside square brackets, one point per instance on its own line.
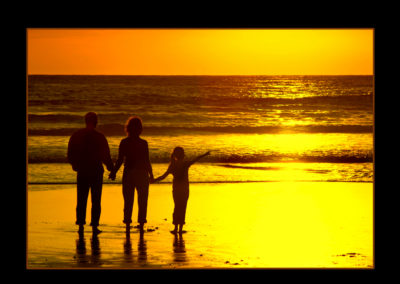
[143, 194]
[128, 192]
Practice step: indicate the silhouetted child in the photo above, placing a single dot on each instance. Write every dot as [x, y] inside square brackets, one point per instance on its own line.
[179, 168]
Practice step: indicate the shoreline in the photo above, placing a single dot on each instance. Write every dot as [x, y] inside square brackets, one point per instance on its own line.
[221, 173]
[211, 182]
[273, 225]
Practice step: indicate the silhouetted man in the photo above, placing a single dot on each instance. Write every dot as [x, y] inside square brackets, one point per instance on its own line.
[87, 151]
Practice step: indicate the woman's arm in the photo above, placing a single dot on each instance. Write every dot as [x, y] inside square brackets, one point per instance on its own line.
[160, 178]
[167, 172]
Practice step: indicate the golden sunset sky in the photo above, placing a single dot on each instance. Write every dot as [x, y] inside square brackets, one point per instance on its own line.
[200, 51]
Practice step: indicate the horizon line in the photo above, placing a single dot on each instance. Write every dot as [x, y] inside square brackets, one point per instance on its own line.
[200, 74]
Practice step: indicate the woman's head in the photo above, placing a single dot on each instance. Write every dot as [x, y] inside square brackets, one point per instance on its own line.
[178, 153]
[133, 126]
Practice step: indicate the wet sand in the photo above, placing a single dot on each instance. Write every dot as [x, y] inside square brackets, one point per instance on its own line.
[229, 225]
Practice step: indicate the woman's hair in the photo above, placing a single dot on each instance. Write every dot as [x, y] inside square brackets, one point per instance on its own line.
[133, 126]
[177, 154]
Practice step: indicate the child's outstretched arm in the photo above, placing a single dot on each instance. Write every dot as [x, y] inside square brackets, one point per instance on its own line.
[199, 157]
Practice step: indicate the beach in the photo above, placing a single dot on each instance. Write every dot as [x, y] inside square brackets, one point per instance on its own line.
[241, 225]
[288, 182]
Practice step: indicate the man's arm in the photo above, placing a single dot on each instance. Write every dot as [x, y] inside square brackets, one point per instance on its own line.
[106, 156]
[148, 164]
[71, 152]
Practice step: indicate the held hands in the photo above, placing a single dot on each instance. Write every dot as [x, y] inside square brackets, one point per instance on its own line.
[155, 180]
[112, 175]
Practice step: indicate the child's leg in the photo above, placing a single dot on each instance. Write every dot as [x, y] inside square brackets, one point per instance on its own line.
[175, 230]
[180, 200]
[180, 228]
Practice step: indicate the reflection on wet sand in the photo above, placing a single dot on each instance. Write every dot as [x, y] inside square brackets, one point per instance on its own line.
[95, 244]
[308, 229]
[81, 254]
[142, 250]
[128, 248]
[81, 257]
[179, 249]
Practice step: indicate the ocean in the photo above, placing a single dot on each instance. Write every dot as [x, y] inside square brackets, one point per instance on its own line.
[258, 128]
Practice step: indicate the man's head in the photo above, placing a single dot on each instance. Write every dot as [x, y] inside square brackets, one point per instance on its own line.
[91, 119]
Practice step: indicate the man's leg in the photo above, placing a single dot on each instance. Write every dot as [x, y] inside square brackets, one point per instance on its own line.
[82, 196]
[96, 185]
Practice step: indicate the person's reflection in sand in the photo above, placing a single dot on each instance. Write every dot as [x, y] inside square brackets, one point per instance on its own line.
[128, 248]
[142, 250]
[96, 253]
[179, 248]
[81, 256]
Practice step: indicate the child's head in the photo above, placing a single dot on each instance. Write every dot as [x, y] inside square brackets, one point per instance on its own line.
[134, 126]
[178, 153]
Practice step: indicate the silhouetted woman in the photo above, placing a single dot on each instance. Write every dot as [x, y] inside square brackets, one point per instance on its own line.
[137, 171]
[179, 168]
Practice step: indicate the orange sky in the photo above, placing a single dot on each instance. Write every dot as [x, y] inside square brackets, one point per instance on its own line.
[200, 51]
